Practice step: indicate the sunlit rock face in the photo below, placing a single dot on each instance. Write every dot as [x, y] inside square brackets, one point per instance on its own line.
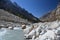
[43, 31]
[58, 10]
[52, 15]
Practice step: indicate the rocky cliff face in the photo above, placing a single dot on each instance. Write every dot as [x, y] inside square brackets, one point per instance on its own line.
[52, 15]
[15, 9]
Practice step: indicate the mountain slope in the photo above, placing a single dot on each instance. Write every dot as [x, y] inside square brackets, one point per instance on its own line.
[15, 9]
[52, 15]
[8, 17]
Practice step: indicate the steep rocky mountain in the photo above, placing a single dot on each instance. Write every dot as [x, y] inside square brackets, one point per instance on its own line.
[52, 15]
[15, 9]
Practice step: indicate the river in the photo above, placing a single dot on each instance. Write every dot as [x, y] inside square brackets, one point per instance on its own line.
[6, 34]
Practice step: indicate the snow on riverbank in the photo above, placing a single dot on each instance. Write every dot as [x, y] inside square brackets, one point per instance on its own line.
[43, 31]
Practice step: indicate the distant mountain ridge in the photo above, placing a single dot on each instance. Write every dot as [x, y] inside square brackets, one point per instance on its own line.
[52, 15]
[15, 9]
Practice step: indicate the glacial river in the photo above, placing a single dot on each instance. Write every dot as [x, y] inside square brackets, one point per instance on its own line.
[6, 34]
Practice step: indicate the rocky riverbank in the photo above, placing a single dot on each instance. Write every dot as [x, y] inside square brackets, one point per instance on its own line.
[37, 31]
[43, 31]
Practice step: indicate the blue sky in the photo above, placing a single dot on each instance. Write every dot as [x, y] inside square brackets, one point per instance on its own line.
[37, 7]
